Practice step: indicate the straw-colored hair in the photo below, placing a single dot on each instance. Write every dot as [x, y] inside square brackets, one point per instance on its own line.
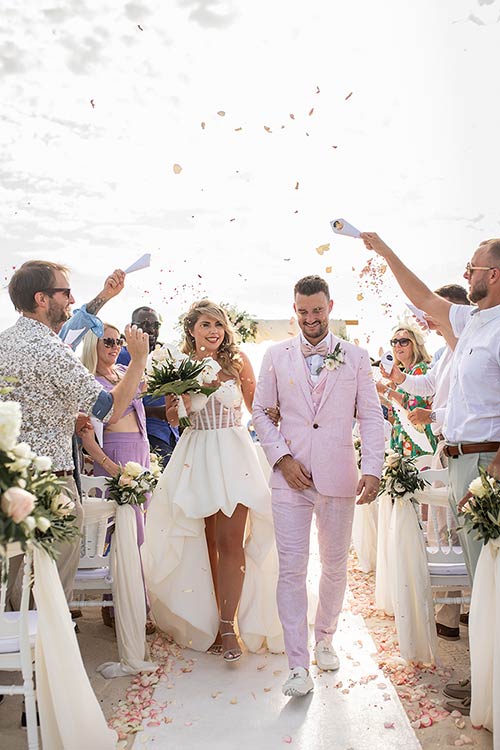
[228, 354]
[89, 352]
[420, 353]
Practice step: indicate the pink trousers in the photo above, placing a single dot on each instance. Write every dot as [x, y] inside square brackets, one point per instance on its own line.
[292, 513]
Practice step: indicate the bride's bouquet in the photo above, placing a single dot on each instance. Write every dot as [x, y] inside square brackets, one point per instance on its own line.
[171, 371]
[131, 485]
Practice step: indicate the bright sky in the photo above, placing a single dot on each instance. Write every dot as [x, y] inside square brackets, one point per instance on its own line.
[385, 114]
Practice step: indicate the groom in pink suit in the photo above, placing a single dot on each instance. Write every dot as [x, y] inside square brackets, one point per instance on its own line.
[320, 384]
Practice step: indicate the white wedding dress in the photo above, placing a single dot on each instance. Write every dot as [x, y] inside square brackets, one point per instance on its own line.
[213, 467]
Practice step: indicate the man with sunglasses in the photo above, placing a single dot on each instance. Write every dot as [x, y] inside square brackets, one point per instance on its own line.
[161, 435]
[51, 384]
[471, 425]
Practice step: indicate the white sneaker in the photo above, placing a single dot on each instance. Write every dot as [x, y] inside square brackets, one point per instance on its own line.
[326, 658]
[299, 682]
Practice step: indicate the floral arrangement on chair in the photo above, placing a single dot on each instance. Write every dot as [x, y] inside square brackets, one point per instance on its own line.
[171, 371]
[400, 477]
[245, 327]
[134, 482]
[481, 513]
[34, 510]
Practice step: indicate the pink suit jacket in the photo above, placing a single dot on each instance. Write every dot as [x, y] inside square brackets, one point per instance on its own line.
[321, 440]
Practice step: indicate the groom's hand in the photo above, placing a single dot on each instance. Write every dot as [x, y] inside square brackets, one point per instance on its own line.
[294, 473]
[367, 489]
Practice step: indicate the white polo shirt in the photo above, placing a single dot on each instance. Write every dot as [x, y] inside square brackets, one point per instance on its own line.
[473, 411]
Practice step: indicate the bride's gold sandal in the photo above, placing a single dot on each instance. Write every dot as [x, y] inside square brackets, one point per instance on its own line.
[231, 654]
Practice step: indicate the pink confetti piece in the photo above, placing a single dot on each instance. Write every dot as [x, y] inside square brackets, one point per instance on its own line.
[287, 739]
[388, 724]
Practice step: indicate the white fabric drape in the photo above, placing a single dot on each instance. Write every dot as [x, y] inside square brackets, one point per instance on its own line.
[383, 595]
[364, 535]
[70, 715]
[410, 585]
[484, 628]
[128, 599]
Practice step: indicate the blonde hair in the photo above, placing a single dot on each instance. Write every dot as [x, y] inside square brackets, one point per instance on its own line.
[228, 354]
[420, 353]
[89, 352]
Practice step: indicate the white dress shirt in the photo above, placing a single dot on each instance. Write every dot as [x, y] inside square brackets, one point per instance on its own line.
[473, 412]
[435, 382]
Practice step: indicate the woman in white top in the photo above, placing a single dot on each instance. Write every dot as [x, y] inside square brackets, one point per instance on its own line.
[209, 552]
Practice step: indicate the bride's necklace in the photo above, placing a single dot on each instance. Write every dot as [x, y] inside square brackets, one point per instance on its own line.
[113, 380]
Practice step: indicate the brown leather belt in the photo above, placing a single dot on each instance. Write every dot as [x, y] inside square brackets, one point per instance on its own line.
[64, 473]
[462, 449]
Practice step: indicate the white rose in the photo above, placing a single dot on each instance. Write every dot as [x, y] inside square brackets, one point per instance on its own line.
[43, 523]
[30, 522]
[62, 505]
[330, 364]
[392, 459]
[477, 488]
[43, 463]
[125, 481]
[10, 424]
[17, 503]
[23, 450]
[133, 469]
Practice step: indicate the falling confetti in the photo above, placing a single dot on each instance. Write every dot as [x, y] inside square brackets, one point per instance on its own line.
[296, 186]
[267, 129]
[348, 96]
[359, 297]
[140, 27]
[292, 117]
[311, 111]
[221, 113]
[238, 129]
[323, 248]
[328, 269]
[177, 168]
[92, 103]
[203, 126]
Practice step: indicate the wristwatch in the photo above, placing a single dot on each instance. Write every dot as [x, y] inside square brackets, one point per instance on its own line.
[432, 416]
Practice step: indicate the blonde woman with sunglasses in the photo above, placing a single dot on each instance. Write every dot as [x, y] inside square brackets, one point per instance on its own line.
[411, 355]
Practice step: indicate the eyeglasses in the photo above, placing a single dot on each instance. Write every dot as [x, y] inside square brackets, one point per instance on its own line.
[401, 342]
[54, 289]
[469, 268]
[110, 343]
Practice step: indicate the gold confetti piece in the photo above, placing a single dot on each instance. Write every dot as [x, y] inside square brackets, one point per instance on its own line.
[203, 126]
[177, 169]
[267, 129]
[216, 694]
[267, 690]
[233, 701]
[277, 672]
[221, 113]
[242, 568]
[261, 667]
[187, 591]
[328, 269]
[323, 248]
[311, 111]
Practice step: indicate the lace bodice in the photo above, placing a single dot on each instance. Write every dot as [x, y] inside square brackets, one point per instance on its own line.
[222, 409]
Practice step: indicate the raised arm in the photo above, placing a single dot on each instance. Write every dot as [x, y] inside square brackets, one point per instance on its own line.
[124, 392]
[414, 288]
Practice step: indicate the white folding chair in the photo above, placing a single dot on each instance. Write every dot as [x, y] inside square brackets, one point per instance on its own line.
[93, 574]
[17, 642]
[446, 562]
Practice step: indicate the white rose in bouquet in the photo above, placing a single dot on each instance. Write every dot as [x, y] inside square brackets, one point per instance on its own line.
[477, 488]
[23, 456]
[10, 424]
[42, 463]
[43, 524]
[133, 469]
[30, 523]
[125, 481]
[62, 505]
[392, 459]
[17, 503]
[209, 372]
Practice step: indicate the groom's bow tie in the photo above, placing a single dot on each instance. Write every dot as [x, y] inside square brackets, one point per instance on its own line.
[308, 349]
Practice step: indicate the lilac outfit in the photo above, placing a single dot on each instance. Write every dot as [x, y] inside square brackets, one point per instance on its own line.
[121, 447]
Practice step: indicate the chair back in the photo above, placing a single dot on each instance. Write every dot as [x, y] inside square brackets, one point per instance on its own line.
[97, 512]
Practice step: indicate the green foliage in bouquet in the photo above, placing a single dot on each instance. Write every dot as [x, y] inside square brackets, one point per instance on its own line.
[132, 485]
[481, 514]
[173, 376]
[400, 476]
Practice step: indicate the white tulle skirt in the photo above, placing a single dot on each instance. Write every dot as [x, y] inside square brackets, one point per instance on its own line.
[210, 471]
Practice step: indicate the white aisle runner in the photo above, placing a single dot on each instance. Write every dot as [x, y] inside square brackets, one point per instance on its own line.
[241, 707]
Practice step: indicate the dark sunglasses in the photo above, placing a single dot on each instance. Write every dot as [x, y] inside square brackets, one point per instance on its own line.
[110, 343]
[401, 342]
[54, 289]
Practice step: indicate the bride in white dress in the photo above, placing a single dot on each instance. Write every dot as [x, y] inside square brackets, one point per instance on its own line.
[209, 553]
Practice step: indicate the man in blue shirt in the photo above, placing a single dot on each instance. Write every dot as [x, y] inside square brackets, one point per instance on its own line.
[162, 437]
